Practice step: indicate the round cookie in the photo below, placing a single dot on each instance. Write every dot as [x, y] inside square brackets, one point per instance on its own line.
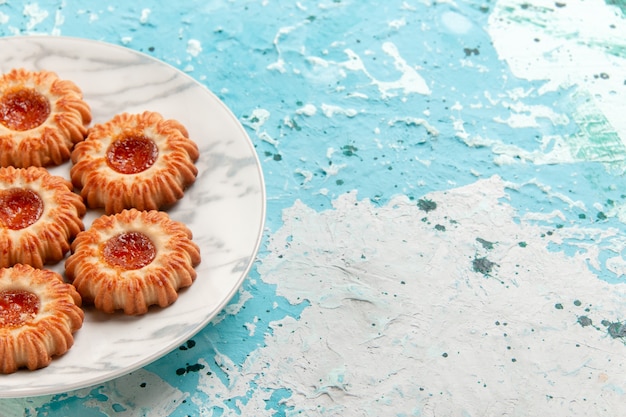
[42, 117]
[132, 260]
[39, 314]
[39, 216]
[138, 161]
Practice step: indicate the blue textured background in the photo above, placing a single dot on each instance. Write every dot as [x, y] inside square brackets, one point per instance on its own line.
[240, 42]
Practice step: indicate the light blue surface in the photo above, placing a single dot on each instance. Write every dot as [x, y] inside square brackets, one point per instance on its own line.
[381, 148]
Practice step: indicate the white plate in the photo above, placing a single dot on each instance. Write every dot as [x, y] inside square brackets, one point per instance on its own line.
[225, 208]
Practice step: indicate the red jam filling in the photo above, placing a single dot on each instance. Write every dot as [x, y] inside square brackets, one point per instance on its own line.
[23, 109]
[132, 154]
[17, 307]
[19, 208]
[130, 250]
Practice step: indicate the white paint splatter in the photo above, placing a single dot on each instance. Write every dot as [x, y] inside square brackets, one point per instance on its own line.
[577, 45]
[358, 95]
[307, 110]
[194, 47]
[330, 110]
[523, 115]
[139, 393]
[59, 19]
[553, 149]
[306, 174]
[251, 327]
[397, 24]
[413, 318]
[416, 121]
[4, 18]
[35, 14]
[233, 307]
[18, 408]
[128, 397]
[279, 64]
[266, 137]
[408, 6]
[289, 122]
[145, 14]
[256, 121]
[410, 82]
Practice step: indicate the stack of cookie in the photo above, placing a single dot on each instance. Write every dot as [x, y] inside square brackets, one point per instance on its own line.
[133, 256]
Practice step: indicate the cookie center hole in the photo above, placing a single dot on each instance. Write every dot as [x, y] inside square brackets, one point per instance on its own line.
[132, 154]
[130, 250]
[19, 208]
[17, 307]
[23, 109]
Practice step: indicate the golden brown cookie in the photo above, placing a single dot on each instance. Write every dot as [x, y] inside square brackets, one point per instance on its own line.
[39, 314]
[138, 161]
[132, 260]
[41, 118]
[39, 216]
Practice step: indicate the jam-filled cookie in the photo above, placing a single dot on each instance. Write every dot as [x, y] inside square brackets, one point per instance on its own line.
[140, 161]
[42, 117]
[39, 216]
[132, 260]
[39, 314]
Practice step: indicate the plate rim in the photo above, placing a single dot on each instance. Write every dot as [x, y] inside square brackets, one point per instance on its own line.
[160, 353]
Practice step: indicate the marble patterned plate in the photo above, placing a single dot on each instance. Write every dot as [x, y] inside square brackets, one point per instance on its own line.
[225, 208]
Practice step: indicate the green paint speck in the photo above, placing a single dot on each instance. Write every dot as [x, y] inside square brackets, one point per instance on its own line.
[486, 244]
[558, 306]
[616, 329]
[295, 125]
[523, 244]
[426, 205]
[349, 150]
[483, 265]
